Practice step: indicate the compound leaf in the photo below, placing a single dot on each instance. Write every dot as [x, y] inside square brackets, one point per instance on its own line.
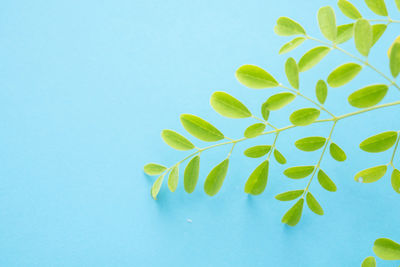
[292, 72]
[380, 142]
[293, 215]
[257, 151]
[255, 77]
[312, 57]
[326, 182]
[287, 27]
[348, 9]
[279, 157]
[310, 143]
[368, 96]
[254, 130]
[336, 152]
[321, 91]
[343, 74]
[386, 249]
[216, 178]
[173, 178]
[298, 172]
[176, 140]
[154, 168]
[258, 179]
[289, 46]
[191, 174]
[305, 116]
[363, 36]
[371, 175]
[313, 204]
[289, 195]
[327, 22]
[377, 6]
[200, 128]
[278, 101]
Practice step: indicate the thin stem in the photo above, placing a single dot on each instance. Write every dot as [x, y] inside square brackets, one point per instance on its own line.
[264, 121]
[394, 151]
[368, 109]
[388, 21]
[230, 152]
[273, 145]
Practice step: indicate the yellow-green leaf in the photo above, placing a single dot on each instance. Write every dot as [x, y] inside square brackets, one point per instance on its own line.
[173, 178]
[200, 128]
[368, 96]
[395, 179]
[397, 4]
[380, 142]
[176, 140]
[255, 77]
[321, 91]
[287, 27]
[279, 100]
[336, 152]
[293, 215]
[279, 157]
[216, 178]
[292, 72]
[395, 60]
[191, 174]
[387, 249]
[154, 169]
[289, 195]
[228, 106]
[397, 40]
[265, 111]
[377, 31]
[363, 36]
[257, 151]
[377, 6]
[327, 22]
[348, 9]
[289, 46]
[326, 182]
[305, 116]
[344, 33]
[312, 57]
[313, 204]
[343, 74]
[371, 175]
[254, 130]
[311, 143]
[298, 172]
[155, 189]
[258, 179]
[369, 262]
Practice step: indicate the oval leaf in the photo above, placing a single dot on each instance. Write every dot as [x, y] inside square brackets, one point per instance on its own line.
[255, 77]
[327, 22]
[289, 195]
[348, 9]
[387, 249]
[176, 140]
[326, 182]
[336, 152]
[313, 204]
[380, 142]
[257, 151]
[395, 179]
[312, 57]
[254, 130]
[310, 143]
[287, 27]
[155, 189]
[292, 72]
[343, 74]
[395, 59]
[305, 116]
[228, 106]
[258, 179]
[216, 178]
[191, 174]
[265, 111]
[371, 175]
[321, 91]
[369, 262]
[377, 32]
[363, 36]
[344, 33]
[291, 45]
[298, 172]
[173, 178]
[377, 6]
[278, 101]
[154, 169]
[279, 157]
[293, 215]
[200, 128]
[368, 96]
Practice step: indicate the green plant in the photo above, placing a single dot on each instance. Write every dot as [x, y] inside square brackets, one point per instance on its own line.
[365, 100]
[385, 249]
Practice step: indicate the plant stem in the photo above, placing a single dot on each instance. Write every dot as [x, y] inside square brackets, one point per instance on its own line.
[273, 145]
[264, 121]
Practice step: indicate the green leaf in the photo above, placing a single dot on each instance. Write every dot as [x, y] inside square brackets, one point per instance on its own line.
[255, 77]
[216, 178]
[377, 6]
[257, 151]
[368, 96]
[369, 262]
[200, 128]
[287, 27]
[386, 249]
[343, 74]
[305, 116]
[289, 195]
[228, 106]
[279, 101]
[254, 130]
[291, 45]
[292, 72]
[395, 179]
[397, 40]
[380, 142]
[298, 172]
[326, 182]
[313, 204]
[363, 36]
[279, 157]
[293, 215]
[371, 175]
[155, 189]
[312, 57]
[327, 22]
[321, 91]
[377, 32]
[397, 4]
[154, 169]
[336, 152]
[349, 10]
[265, 111]
[395, 60]
[344, 33]
[176, 140]
[310, 143]
[258, 179]
[173, 178]
[191, 174]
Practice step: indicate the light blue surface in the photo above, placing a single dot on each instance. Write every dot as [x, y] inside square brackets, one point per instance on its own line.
[86, 88]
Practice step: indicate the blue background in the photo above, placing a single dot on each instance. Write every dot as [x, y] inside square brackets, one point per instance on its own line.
[86, 88]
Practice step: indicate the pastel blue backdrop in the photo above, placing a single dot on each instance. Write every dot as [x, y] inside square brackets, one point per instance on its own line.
[86, 88]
